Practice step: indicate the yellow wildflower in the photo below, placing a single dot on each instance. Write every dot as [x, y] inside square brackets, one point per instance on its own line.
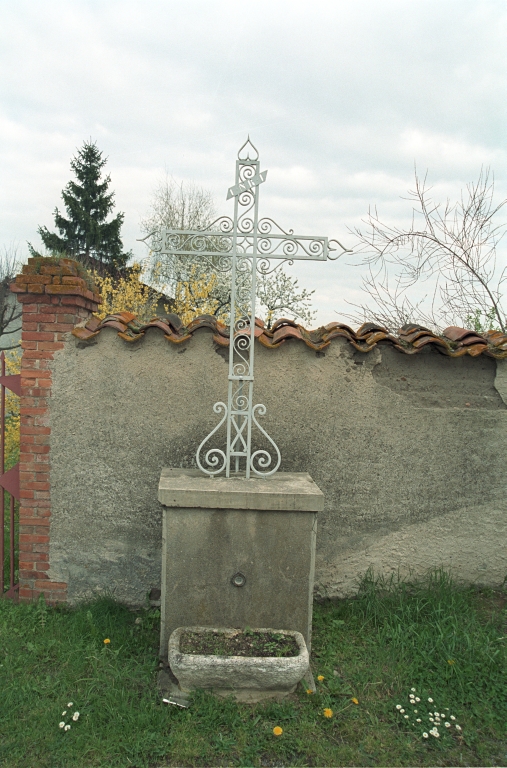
[277, 730]
[320, 678]
[309, 690]
[107, 641]
[328, 712]
[354, 700]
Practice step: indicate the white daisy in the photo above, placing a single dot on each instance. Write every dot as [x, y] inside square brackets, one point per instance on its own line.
[452, 717]
[458, 727]
[70, 704]
[447, 725]
[61, 724]
[418, 719]
[417, 698]
[430, 701]
[406, 717]
[413, 689]
[67, 728]
[398, 706]
[75, 716]
[425, 735]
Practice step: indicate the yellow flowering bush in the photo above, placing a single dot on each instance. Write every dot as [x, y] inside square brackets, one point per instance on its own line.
[12, 418]
[128, 294]
[194, 296]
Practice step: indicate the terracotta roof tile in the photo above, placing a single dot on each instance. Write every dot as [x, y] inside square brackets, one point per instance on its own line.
[412, 338]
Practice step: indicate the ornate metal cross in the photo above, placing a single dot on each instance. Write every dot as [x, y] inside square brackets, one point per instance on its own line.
[242, 246]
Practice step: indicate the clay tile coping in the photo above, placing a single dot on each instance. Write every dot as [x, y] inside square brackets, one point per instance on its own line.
[412, 339]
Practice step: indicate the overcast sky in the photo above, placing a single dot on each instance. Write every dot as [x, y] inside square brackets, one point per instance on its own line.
[341, 97]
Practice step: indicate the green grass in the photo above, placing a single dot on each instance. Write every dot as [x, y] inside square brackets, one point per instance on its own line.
[6, 535]
[375, 648]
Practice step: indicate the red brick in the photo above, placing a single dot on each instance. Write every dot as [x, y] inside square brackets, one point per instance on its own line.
[42, 495]
[29, 298]
[25, 566]
[40, 449]
[35, 522]
[41, 557]
[43, 317]
[35, 486]
[40, 548]
[68, 290]
[36, 288]
[27, 326]
[38, 336]
[63, 327]
[63, 316]
[33, 575]
[19, 289]
[25, 593]
[34, 279]
[74, 281]
[39, 504]
[51, 269]
[41, 566]
[50, 345]
[45, 384]
[33, 538]
[56, 585]
[36, 430]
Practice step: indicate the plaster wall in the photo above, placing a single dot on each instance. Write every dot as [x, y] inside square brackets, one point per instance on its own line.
[409, 452]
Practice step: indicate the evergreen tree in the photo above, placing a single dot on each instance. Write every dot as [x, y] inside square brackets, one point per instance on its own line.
[85, 234]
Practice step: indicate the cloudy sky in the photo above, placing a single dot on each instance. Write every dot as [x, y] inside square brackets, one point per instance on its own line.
[341, 97]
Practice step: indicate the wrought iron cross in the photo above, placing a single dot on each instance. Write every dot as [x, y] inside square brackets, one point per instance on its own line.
[242, 246]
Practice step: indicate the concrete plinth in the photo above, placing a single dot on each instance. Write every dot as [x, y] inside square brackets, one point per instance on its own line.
[237, 552]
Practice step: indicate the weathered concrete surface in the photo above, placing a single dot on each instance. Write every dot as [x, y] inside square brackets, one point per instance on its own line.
[409, 452]
[272, 547]
[283, 491]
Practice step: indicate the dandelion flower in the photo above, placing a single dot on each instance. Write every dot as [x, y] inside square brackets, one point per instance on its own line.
[447, 725]
[67, 728]
[75, 716]
[417, 698]
[430, 700]
[309, 691]
[61, 725]
[328, 712]
[277, 730]
[320, 678]
[70, 704]
[355, 701]
[458, 727]
[413, 690]
[398, 706]
[425, 735]
[106, 642]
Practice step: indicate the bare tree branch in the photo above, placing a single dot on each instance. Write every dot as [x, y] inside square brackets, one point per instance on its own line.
[454, 244]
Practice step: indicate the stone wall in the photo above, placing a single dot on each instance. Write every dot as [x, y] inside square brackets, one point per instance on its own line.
[409, 451]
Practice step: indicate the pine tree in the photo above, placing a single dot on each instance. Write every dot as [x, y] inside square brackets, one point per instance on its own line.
[85, 234]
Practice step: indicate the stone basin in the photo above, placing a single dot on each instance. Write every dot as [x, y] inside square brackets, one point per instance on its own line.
[246, 678]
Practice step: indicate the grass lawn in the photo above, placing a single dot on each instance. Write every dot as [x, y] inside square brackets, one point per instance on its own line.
[447, 643]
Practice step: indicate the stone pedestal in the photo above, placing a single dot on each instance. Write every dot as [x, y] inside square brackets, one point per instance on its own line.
[238, 552]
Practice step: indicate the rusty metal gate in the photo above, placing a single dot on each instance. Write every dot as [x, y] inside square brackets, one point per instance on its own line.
[9, 484]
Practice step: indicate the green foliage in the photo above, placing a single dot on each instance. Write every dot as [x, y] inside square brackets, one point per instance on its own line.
[86, 235]
[476, 322]
[371, 650]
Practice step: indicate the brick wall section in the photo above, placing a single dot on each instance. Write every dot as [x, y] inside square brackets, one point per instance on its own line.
[54, 299]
